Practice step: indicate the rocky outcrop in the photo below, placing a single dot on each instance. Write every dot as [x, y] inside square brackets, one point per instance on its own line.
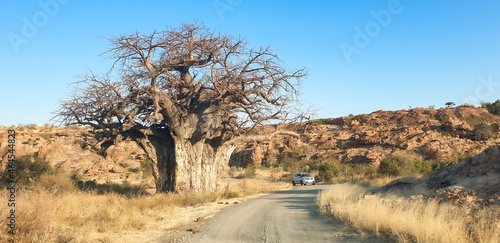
[74, 150]
[426, 134]
[475, 181]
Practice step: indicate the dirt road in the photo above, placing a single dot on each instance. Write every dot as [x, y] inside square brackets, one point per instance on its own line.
[289, 216]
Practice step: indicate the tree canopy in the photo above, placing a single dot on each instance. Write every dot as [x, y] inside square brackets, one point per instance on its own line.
[197, 85]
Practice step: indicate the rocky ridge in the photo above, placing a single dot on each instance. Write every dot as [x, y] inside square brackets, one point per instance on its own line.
[427, 134]
[74, 150]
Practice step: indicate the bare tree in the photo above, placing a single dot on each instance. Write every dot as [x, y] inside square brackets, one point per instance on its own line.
[187, 96]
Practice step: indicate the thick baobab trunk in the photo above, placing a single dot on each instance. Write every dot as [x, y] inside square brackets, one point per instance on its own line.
[199, 166]
[180, 166]
[160, 150]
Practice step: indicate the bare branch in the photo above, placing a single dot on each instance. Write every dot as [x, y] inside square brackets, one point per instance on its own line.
[195, 81]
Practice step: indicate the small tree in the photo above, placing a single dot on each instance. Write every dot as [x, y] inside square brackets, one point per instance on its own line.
[493, 108]
[396, 165]
[187, 96]
[450, 104]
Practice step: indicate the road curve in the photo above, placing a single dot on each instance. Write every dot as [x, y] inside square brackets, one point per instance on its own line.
[288, 216]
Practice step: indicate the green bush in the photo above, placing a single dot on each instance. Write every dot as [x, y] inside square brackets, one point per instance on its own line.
[38, 174]
[360, 118]
[28, 168]
[328, 169]
[474, 121]
[423, 167]
[483, 131]
[440, 163]
[321, 121]
[493, 108]
[396, 165]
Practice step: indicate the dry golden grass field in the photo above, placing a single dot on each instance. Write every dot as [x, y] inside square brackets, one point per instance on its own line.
[54, 210]
[409, 219]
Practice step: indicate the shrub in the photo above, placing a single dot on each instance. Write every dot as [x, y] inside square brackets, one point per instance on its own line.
[291, 165]
[250, 171]
[493, 108]
[46, 136]
[299, 152]
[423, 167]
[396, 165]
[228, 194]
[56, 183]
[328, 169]
[124, 188]
[124, 165]
[473, 121]
[483, 131]
[321, 121]
[440, 163]
[233, 171]
[343, 144]
[276, 172]
[29, 168]
[76, 177]
[360, 118]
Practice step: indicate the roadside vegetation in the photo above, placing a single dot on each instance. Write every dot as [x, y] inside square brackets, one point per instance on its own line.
[332, 170]
[55, 207]
[393, 217]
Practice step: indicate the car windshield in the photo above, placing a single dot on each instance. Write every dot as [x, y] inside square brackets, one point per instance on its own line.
[305, 175]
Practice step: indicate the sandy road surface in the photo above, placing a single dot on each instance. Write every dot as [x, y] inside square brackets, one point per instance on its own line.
[289, 216]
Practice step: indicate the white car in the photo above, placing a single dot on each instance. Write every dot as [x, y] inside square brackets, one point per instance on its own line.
[303, 178]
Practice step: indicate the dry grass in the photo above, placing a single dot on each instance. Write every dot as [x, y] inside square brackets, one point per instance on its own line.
[409, 221]
[55, 211]
[364, 180]
[250, 187]
[260, 173]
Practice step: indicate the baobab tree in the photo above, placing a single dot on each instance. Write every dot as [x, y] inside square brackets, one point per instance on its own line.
[187, 96]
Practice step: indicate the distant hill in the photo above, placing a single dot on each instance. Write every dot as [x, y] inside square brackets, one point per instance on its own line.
[435, 135]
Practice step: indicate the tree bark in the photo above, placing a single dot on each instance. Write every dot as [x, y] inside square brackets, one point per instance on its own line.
[179, 165]
[200, 165]
[159, 148]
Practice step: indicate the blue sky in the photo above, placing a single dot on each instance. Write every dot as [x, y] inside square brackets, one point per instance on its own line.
[362, 56]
